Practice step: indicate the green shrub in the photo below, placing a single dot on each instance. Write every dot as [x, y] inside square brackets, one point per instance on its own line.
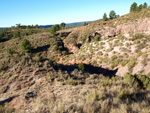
[72, 82]
[84, 24]
[94, 63]
[97, 38]
[105, 83]
[74, 44]
[131, 80]
[113, 78]
[37, 58]
[100, 53]
[50, 76]
[124, 62]
[112, 14]
[145, 81]
[124, 94]
[105, 17]
[131, 64]
[113, 66]
[10, 51]
[81, 66]
[54, 28]
[142, 81]
[144, 62]
[106, 55]
[114, 57]
[115, 63]
[57, 44]
[116, 42]
[64, 52]
[94, 96]
[102, 43]
[137, 36]
[26, 46]
[123, 49]
[62, 25]
[16, 34]
[29, 32]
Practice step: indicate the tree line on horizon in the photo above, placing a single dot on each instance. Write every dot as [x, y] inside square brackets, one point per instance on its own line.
[18, 31]
[57, 27]
[25, 26]
[112, 15]
[134, 8]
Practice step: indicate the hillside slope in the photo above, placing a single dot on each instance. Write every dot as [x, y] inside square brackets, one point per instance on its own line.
[120, 45]
[102, 67]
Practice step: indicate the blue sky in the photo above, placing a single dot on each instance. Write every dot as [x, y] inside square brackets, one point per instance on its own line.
[47, 12]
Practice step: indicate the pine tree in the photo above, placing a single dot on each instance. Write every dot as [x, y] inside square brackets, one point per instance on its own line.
[105, 17]
[112, 14]
[84, 24]
[145, 5]
[139, 8]
[26, 46]
[62, 25]
[133, 7]
[54, 29]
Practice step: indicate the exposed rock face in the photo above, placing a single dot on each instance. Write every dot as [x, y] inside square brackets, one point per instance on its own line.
[140, 26]
[121, 71]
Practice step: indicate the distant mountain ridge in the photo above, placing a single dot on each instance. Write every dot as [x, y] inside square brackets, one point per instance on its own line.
[1, 28]
[67, 25]
[77, 23]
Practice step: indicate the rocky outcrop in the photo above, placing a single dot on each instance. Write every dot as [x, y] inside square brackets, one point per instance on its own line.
[4, 100]
[140, 26]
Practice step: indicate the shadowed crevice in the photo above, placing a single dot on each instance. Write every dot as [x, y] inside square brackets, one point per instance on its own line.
[40, 49]
[2, 102]
[88, 68]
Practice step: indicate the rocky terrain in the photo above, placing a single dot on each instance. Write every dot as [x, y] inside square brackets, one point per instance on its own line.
[101, 67]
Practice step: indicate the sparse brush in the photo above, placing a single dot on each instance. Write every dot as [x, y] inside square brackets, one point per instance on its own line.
[124, 94]
[131, 64]
[131, 80]
[72, 82]
[97, 38]
[95, 96]
[26, 46]
[37, 58]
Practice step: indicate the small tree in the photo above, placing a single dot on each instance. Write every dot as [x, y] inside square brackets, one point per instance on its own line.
[145, 5]
[16, 34]
[18, 25]
[81, 66]
[84, 24]
[131, 80]
[105, 17]
[26, 46]
[62, 25]
[57, 27]
[133, 7]
[139, 8]
[112, 14]
[3, 33]
[54, 29]
[36, 26]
